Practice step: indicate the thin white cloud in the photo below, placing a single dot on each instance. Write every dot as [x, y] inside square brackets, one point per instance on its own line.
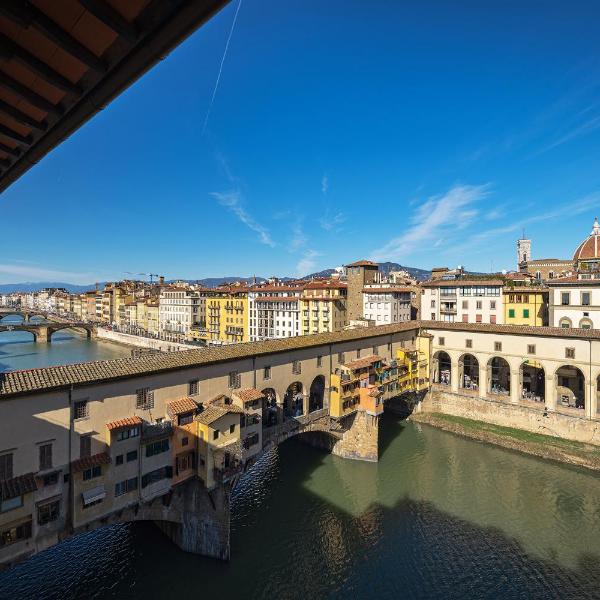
[232, 201]
[299, 238]
[582, 129]
[324, 184]
[307, 263]
[22, 272]
[440, 215]
[330, 222]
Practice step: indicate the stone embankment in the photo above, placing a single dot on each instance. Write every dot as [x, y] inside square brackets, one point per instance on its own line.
[543, 446]
[141, 342]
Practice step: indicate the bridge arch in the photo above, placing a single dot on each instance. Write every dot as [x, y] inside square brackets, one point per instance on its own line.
[293, 400]
[316, 397]
[16, 313]
[570, 385]
[498, 376]
[468, 372]
[20, 328]
[81, 328]
[442, 368]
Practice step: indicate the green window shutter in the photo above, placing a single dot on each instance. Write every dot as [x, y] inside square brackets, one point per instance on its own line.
[526, 313]
[511, 313]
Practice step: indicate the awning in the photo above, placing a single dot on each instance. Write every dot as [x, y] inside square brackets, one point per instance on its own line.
[93, 495]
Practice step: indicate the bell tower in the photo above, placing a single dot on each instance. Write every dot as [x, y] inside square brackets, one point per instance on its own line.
[523, 250]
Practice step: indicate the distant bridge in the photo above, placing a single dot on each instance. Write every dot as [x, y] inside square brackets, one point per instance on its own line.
[25, 313]
[43, 332]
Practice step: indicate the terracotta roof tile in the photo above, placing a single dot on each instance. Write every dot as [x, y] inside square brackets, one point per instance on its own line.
[248, 394]
[181, 406]
[17, 486]
[363, 263]
[123, 423]
[362, 363]
[213, 413]
[460, 282]
[86, 462]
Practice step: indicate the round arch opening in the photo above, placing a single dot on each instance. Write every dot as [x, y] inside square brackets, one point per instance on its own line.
[533, 381]
[316, 399]
[468, 367]
[499, 376]
[570, 387]
[442, 368]
[293, 401]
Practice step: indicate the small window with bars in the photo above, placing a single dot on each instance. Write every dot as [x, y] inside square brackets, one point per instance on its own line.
[530, 348]
[469, 343]
[144, 398]
[341, 358]
[497, 346]
[441, 341]
[267, 373]
[296, 367]
[193, 387]
[569, 352]
[81, 409]
[235, 380]
[319, 361]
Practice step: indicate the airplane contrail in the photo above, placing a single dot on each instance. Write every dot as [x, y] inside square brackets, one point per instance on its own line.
[212, 100]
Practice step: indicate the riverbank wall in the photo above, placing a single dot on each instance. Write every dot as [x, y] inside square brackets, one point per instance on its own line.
[506, 414]
[140, 342]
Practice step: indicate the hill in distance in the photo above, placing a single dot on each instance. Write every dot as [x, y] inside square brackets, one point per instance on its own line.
[33, 286]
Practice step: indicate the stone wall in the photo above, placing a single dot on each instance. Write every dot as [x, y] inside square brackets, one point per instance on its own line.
[139, 341]
[361, 440]
[517, 416]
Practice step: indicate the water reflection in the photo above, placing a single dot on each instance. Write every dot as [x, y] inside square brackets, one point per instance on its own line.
[438, 517]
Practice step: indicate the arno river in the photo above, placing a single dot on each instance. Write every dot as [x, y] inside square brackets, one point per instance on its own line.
[438, 517]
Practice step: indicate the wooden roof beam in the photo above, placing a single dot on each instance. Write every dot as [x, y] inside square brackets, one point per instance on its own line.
[21, 117]
[16, 87]
[112, 19]
[14, 136]
[10, 50]
[26, 15]
[8, 150]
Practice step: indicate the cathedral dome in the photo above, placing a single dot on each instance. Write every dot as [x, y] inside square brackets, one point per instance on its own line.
[589, 249]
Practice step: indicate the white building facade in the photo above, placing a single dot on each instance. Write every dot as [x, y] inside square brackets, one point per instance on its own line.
[574, 303]
[476, 301]
[273, 312]
[178, 310]
[385, 305]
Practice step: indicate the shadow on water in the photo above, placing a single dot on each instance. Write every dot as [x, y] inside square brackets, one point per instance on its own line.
[301, 529]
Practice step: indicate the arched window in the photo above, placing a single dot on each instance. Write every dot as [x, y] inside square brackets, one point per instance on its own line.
[585, 324]
[551, 275]
[538, 274]
[565, 323]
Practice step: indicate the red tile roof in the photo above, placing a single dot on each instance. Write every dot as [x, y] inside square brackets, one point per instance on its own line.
[384, 290]
[123, 423]
[249, 394]
[17, 486]
[361, 363]
[181, 406]
[461, 282]
[86, 462]
[363, 263]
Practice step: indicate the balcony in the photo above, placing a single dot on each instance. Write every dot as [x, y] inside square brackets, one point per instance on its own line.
[448, 309]
[156, 430]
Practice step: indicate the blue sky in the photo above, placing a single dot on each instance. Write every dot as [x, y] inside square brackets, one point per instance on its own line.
[428, 133]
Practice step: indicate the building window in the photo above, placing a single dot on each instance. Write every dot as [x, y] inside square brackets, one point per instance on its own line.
[465, 304]
[585, 298]
[6, 466]
[469, 343]
[376, 350]
[569, 352]
[267, 373]
[478, 319]
[50, 479]
[159, 447]
[492, 305]
[296, 367]
[92, 473]
[125, 434]
[565, 298]
[433, 304]
[478, 304]
[497, 346]
[585, 324]
[232, 428]
[526, 313]
[341, 358]
[144, 399]
[132, 455]
[531, 349]
[193, 387]
[216, 434]
[85, 446]
[319, 361]
[358, 353]
[185, 441]
[119, 460]
[565, 323]
[45, 457]
[11, 503]
[493, 319]
[441, 341]
[123, 487]
[15, 534]
[81, 409]
[235, 380]
[48, 512]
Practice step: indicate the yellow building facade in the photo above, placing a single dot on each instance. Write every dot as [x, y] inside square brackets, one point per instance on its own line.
[323, 307]
[226, 317]
[525, 306]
